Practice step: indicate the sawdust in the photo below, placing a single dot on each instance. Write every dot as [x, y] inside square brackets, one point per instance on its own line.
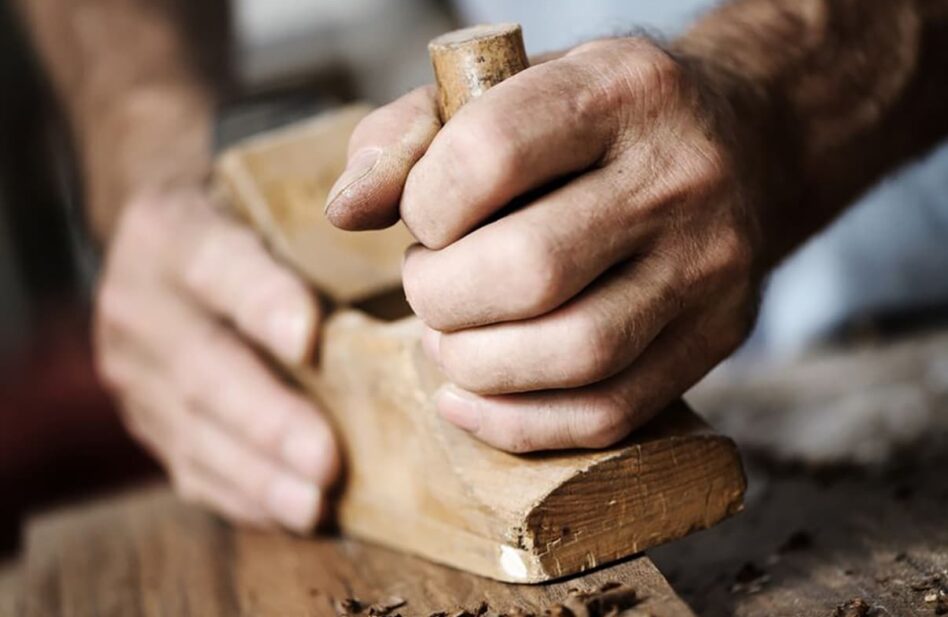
[857, 607]
[612, 599]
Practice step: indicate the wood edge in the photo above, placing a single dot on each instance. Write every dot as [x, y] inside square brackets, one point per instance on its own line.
[558, 562]
[231, 177]
[477, 32]
[495, 560]
[292, 131]
[468, 551]
[497, 550]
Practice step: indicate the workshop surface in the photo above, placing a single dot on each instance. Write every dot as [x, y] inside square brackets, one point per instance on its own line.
[867, 537]
[146, 553]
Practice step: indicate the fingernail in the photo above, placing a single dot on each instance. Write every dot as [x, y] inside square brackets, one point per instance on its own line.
[295, 504]
[290, 329]
[359, 166]
[459, 407]
[310, 452]
[431, 343]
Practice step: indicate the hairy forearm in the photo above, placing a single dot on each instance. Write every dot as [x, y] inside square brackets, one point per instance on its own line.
[839, 93]
[139, 112]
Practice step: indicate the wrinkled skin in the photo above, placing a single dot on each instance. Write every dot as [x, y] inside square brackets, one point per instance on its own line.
[188, 305]
[573, 319]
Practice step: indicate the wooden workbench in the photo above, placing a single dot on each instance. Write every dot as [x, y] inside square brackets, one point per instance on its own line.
[146, 553]
[813, 537]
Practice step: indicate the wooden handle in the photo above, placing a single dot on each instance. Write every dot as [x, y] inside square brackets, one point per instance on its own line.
[468, 62]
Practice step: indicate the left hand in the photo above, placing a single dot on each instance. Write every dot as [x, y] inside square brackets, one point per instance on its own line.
[575, 318]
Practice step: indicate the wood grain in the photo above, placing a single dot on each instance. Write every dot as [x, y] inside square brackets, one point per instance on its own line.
[468, 62]
[279, 182]
[146, 554]
[876, 532]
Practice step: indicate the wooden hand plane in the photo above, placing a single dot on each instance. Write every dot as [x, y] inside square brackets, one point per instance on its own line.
[412, 481]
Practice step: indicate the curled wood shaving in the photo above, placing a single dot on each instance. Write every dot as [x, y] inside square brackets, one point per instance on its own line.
[857, 607]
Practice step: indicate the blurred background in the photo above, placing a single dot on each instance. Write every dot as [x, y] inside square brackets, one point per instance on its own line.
[879, 274]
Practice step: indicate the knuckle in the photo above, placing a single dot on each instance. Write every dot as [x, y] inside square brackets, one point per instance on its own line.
[368, 129]
[474, 375]
[593, 349]
[706, 169]
[191, 376]
[187, 383]
[423, 281]
[256, 479]
[502, 152]
[542, 272]
[633, 69]
[432, 183]
[113, 309]
[248, 473]
[588, 105]
[267, 430]
[256, 304]
[414, 206]
[146, 223]
[657, 72]
[468, 166]
[452, 353]
[475, 362]
[415, 285]
[183, 451]
[607, 90]
[606, 422]
[216, 247]
[488, 156]
[413, 110]
[730, 256]
[139, 219]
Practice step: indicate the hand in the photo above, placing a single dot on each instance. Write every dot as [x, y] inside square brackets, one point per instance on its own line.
[186, 295]
[574, 318]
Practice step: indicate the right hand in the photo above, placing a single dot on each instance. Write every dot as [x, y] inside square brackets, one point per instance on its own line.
[186, 296]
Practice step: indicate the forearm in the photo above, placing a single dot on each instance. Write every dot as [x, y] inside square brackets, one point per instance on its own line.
[839, 92]
[140, 114]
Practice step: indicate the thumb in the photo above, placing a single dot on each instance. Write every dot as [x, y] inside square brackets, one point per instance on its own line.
[382, 150]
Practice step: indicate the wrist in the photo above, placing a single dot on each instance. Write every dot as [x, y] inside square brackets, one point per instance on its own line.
[151, 140]
[753, 121]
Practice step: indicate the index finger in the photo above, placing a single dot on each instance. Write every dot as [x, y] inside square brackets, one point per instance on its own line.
[543, 123]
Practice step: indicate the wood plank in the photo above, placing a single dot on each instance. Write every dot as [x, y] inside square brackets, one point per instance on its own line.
[413, 481]
[146, 554]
